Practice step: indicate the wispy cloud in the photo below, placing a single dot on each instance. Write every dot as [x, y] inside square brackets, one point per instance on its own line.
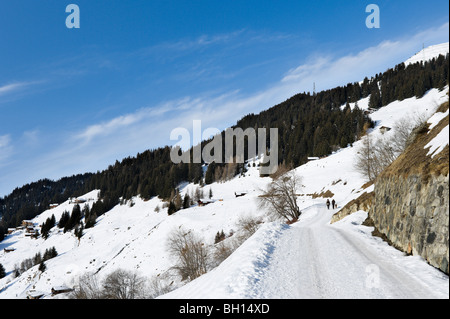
[107, 128]
[189, 44]
[8, 88]
[4, 141]
[5, 148]
[16, 90]
[204, 44]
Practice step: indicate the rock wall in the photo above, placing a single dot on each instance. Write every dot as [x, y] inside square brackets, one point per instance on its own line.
[411, 204]
[414, 214]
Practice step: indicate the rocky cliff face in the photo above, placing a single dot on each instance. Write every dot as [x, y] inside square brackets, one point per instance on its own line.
[411, 203]
[413, 215]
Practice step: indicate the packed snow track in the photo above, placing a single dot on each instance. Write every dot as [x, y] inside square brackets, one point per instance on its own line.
[313, 259]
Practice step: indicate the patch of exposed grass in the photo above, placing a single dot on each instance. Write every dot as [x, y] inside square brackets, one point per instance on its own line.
[326, 194]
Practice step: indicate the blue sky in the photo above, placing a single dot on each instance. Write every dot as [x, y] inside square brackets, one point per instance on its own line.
[75, 100]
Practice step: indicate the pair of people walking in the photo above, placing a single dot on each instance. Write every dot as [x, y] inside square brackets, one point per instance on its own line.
[333, 203]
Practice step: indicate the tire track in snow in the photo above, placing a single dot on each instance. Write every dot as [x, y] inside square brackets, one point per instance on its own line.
[313, 259]
[320, 277]
[393, 281]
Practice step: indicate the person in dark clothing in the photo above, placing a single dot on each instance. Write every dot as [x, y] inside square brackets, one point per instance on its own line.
[333, 203]
[328, 203]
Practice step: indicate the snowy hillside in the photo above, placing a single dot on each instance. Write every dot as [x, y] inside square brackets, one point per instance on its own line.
[126, 237]
[309, 259]
[313, 259]
[135, 238]
[429, 53]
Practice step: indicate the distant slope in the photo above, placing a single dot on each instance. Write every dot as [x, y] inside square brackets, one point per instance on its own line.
[429, 53]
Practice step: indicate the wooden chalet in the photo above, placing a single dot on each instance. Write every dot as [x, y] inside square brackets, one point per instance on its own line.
[240, 194]
[204, 202]
[34, 294]
[77, 201]
[26, 223]
[60, 290]
[384, 129]
[30, 229]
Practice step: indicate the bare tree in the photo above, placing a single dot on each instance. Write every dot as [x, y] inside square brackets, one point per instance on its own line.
[281, 197]
[365, 162]
[402, 130]
[198, 194]
[222, 251]
[160, 285]
[247, 226]
[191, 253]
[384, 154]
[124, 284]
[87, 287]
[120, 284]
[375, 155]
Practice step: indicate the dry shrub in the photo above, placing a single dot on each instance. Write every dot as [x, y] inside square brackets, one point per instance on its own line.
[281, 197]
[247, 225]
[160, 285]
[190, 252]
[124, 284]
[120, 284]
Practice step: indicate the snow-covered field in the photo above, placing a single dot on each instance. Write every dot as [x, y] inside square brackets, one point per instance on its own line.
[309, 259]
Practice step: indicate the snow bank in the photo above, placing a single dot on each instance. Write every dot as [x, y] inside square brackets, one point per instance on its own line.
[237, 275]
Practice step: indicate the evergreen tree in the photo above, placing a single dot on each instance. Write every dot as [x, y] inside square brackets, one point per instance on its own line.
[209, 175]
[375, 98]
[219, 237]
[172, 208]
[74, 218]
[37, 259]
[47, 226]
[178, 200]
[42, 267]
[2, 271]
[64, 219]
[50, 253]
[90, 221]
[186, 201]
[79, 231]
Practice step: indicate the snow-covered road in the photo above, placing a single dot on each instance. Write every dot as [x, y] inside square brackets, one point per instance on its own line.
[313, 259]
